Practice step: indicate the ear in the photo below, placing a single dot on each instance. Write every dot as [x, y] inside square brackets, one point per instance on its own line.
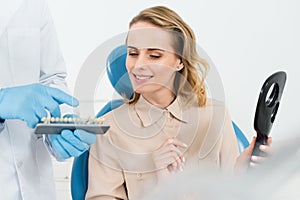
[179, 66]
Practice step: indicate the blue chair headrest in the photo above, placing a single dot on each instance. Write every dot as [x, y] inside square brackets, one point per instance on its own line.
[117, 72]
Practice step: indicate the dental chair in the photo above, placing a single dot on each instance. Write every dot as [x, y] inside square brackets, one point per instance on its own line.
[117, 73]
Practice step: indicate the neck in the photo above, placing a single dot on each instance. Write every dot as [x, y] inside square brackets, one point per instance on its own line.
[160, 99]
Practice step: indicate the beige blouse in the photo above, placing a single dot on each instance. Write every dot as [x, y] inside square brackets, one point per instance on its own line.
[120, 163]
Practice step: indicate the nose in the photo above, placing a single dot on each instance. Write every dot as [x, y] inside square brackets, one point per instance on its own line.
[140, 61]
[137, 62]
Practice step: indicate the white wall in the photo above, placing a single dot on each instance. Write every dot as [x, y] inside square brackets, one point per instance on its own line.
[247, 41]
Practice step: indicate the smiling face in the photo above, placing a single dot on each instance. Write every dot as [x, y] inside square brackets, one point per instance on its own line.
[151, 61]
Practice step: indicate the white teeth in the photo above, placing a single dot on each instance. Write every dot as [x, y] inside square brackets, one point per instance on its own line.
[142, 77]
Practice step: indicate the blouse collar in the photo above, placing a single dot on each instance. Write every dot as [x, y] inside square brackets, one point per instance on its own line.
[149, 113]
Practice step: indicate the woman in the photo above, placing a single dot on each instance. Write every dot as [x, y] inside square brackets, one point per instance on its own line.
[169, 125]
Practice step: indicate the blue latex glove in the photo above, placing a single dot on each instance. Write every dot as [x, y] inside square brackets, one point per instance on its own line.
[68, 143]
[28, 103]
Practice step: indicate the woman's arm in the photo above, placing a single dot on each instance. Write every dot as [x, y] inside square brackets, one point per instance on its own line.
[104, 182]
[229, 149]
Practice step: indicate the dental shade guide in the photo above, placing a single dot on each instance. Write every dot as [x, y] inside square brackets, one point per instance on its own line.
[54, 125]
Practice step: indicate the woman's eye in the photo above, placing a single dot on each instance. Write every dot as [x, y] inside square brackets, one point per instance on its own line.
[155, 56]
[132, 54]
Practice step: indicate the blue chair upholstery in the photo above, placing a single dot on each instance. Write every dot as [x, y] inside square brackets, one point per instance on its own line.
[79, 174]
[118, 76]
[117, 72]
[242, 140]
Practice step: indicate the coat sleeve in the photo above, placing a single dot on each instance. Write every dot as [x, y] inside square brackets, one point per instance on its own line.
[104, 182]
[52, 65]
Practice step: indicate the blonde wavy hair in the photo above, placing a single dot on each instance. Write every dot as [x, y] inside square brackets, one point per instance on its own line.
[192, 75]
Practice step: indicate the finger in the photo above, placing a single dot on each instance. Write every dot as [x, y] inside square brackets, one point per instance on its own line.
[257, 159]
[265, 148]
[166, 156]
[174, 166]
[248, 151]
[53, 108]
[269, 141]
[252, 144]
[69, 148]
[253, 165]
[176, 142]
[85, 136]
[52, 137]
[167, 152]
[170, 169]
[73, 140]
[170, 148]
[61, 97]
[59, 149]
[167, 142]
[40, 113]
[170, 158]
[164, 160]
[181, 162]
[175, 150]
[164, 163]
[183, 159]
[32, 121]
[179, 165]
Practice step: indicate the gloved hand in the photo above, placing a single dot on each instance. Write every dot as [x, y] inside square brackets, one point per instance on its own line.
[28, 103]
[68, 143]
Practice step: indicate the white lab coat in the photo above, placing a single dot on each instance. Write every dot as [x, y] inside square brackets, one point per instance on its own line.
[29, 53]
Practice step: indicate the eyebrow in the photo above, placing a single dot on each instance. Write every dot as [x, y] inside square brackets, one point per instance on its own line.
[155, 49]
[148, 49]
[132, 47]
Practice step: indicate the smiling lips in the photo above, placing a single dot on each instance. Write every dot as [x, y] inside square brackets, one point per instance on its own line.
[139, 79]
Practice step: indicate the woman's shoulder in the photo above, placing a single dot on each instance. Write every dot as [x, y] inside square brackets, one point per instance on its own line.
[212, 109]
[210, 102]
[210, 105]
[111, 118]
[110, 115]
[119, 120]
[188, 102]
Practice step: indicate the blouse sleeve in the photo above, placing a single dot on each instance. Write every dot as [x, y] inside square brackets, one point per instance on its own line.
[229, 149]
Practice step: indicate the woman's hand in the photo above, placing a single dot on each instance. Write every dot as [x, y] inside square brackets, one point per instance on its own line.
[168, 158]
[246, 159]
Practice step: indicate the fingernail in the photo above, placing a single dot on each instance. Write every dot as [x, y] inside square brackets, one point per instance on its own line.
[185, 145]
[181, 169]
[253, 158]
[183, 159]
[262, 147]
